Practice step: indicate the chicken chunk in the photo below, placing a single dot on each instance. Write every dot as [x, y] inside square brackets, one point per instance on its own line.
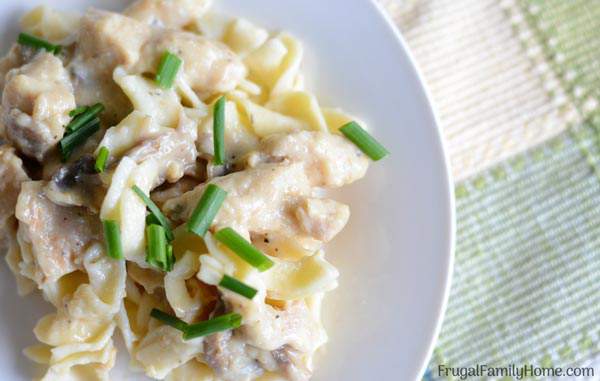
[258, 200]
[273, 199]
[174, 151]
[229, 357]
[268, 328]
[330, 160]
[289, 362]
[12, 174]
[35, 105]
[208, 66]
[16, 57]
[232, 359]
[107, 40]
[53, 236]
[321, 218]
[174, 14]
[271, 339]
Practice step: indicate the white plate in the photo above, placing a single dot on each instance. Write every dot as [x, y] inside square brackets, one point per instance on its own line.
[395, 256]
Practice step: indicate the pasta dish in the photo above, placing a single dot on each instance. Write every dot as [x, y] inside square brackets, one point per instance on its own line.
[165, 175]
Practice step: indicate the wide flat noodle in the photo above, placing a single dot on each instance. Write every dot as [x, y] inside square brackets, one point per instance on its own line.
[50, 24]
[162, 105]
[78, 337]
[125, 207]
[301, 106]
[131, 131]
[185, 305]
[244, 37]
[192, 370]
[164, 349]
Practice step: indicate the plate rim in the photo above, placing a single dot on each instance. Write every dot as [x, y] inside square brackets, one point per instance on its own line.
[448, 182]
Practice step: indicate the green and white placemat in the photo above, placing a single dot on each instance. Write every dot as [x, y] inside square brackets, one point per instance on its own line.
[516, 84]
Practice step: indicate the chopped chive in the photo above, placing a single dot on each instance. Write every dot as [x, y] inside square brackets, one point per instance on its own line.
[156, 246]
[167, 70]
[238, 287]
[77, 111]
[151, 219]
[206, 210]
[219, 131]
[218, 324]
[72, 140]
[244, 249]
[170, 257]
[363, 140]
[155, 211]
[84, 117]
[38, 43]
[112, 238]
[169, 320]
[100, 164]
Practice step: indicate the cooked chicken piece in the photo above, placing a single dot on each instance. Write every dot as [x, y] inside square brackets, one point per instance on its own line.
[76, 184]
[174, 14]
[229, 357]
[268, 328]
[208, 66]
[107, 40]
[275, 340]
[290, 363]
[256, 197]
[54, 236]
[174, 151]
[12, 174]
[330, 160]
[272, 199]
[35, 105]
[321, 218]
[232, 359]
[93, 85]
[16, 57]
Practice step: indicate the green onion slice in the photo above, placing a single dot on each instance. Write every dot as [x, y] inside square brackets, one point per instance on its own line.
[363, 140]
[38, 43]
[218, 324]
[76, 138]
[238, 287]
[112, 238]
[206, 210]
[219, 131]
[100, 164]
[151, 219]
[78, 110]
[167, 70]
[169, 320]
[244, 249]
[156, 246]
[170, 257]
[155, 211]
[84, 117]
